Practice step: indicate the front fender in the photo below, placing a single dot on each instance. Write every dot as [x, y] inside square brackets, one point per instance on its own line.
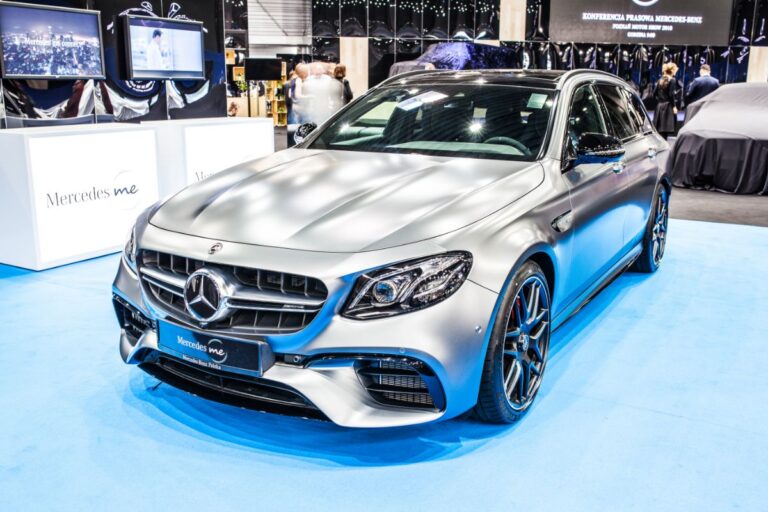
[502, 242]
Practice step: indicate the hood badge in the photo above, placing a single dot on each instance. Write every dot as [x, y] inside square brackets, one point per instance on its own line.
[215, 248]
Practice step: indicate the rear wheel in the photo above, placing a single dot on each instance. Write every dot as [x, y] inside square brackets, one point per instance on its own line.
[655, 239]
[518, 348]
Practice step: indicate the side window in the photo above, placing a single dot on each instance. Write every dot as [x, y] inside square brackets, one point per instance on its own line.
[586, 115]
[618, 111]
[637, 113]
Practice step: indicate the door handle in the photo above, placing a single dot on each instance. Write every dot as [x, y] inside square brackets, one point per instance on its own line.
[618, 167]
[652, 152]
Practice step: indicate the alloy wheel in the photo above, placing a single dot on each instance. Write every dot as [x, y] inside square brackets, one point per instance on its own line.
[526, 343]
[660, 222]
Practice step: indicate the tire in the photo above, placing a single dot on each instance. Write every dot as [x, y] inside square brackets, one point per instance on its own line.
[655, 238]
[501, 398]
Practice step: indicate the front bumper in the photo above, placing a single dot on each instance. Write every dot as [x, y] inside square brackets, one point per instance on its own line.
[319, 367]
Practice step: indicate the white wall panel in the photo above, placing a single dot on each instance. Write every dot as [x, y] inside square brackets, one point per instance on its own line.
[279, 22]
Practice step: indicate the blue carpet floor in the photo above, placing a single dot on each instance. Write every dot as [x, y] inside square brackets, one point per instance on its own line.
[656, 398]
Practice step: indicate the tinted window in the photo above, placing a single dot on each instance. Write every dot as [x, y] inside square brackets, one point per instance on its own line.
[618, 111]
[586, 115]
[637, 113]
[478, 121]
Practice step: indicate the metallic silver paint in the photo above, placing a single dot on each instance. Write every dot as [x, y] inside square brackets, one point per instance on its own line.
[346, 201]
[334, 215]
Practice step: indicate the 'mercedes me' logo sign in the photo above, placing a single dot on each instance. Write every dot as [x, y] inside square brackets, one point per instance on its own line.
[123, 189]
[55, 199]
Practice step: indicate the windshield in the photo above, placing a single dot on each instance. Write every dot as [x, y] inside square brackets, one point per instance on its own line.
[471, 120]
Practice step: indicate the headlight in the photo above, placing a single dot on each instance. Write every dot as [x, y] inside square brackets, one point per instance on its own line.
[408, 286]
[129, 253]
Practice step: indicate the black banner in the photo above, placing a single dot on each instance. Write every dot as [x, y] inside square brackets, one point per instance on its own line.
[696, 22]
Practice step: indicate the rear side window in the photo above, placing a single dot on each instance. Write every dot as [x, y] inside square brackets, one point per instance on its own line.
[618, 111]
[637, 113]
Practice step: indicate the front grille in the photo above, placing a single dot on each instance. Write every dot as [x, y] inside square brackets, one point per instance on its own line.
[401, 382]
[264, 302]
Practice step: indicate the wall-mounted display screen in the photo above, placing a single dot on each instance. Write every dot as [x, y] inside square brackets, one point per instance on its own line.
[164, 49]
[695, 22]
[49, 43]
[263, 69]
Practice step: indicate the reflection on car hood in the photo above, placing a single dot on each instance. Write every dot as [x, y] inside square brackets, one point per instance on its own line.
[345, 201]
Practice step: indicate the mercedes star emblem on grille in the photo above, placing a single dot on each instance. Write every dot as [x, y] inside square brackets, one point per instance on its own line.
[204, 296]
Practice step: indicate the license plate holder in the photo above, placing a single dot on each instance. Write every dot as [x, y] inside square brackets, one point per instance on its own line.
[215, 352]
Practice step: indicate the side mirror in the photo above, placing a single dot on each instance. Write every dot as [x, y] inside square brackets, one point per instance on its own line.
[598, 148]
[303, 131]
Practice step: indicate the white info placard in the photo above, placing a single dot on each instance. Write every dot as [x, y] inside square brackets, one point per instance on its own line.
[81, 191]
[191, 150]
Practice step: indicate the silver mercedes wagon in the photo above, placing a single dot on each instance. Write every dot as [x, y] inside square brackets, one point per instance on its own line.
[409, 259]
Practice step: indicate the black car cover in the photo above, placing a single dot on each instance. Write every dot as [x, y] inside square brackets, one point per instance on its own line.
[724, 143]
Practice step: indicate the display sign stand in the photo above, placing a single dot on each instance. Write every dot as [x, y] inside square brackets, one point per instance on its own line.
[188, 150]
[94, 98]
[66, 197]
[167, 100]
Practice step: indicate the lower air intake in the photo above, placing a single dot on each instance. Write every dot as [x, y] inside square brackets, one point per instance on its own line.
[132, 321]
[401, 382]
[230, 388]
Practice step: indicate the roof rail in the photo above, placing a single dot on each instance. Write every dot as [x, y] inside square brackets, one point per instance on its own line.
[575, 72]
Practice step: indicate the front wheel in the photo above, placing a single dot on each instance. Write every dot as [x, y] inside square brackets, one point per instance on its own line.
[518, 348]
[655, 239]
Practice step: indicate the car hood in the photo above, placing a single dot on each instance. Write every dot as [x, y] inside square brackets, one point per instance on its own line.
[345, 201]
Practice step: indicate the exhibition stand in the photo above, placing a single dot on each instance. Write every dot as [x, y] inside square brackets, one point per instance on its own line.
[191, 150]
[72, 192]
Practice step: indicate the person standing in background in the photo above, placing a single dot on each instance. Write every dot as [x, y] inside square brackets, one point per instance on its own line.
[703, 85]
[289, 88]
[665, 115]
[296, 94]
[340, 74]
[321, 94]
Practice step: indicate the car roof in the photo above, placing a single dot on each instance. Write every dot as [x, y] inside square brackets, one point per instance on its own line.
[545, 79]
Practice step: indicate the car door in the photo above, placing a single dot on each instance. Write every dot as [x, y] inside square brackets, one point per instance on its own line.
[595, 188]
[635, 132]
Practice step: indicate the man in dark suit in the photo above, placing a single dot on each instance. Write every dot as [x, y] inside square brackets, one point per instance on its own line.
[703, 85]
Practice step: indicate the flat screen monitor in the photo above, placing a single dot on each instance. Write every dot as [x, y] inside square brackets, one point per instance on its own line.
[263, 69]
[42, 42]
[164, 49]
[673, 22]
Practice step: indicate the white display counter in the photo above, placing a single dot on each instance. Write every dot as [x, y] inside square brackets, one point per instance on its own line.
[69, 193]
[190, 150]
